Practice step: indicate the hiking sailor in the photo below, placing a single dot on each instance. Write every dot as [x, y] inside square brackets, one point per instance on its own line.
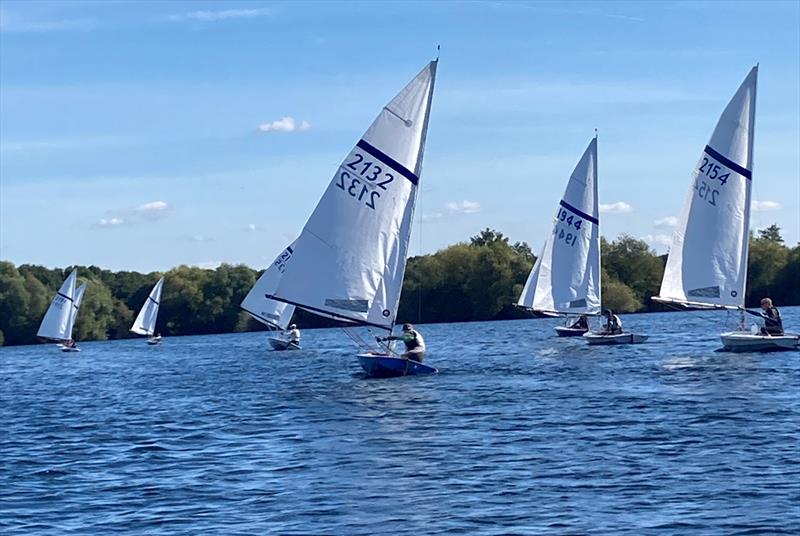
[415, 344]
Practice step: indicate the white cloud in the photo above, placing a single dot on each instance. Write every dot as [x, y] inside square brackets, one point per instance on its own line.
[209, 265]
[110, 222]
[153, 206]
[252, 227]
[658, 241]
[200, 238]
[285, 124]
[213, 16]
[666, 222]
[762, 206]
[620, 207]
[433, 216]
[463, 207]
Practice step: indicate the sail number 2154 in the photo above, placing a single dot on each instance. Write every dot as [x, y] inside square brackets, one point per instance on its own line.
[706, 192]
[363, 180]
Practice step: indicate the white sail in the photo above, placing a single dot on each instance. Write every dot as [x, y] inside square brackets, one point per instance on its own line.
[76, 304]
[350, 258]
[145, 323]
[267, 311]
[57, 321]
[707, 263]
[566, 276]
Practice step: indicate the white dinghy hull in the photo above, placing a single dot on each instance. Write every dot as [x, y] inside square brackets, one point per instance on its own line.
[621, 338]
[565, 331]
[744, 341]
[282, 344]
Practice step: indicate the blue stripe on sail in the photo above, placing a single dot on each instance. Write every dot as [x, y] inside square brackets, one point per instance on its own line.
[388, 160]
[580, 213]
[152, 300]
[289, 249]
[727, 162]
[64, 296]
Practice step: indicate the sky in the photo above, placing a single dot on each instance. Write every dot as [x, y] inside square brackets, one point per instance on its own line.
[144, 135]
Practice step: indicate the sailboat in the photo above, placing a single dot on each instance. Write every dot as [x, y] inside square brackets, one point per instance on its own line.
[145, 323]
[60, 316]
[349, 261]
[274, 314]
[707, 263]
[566, 277]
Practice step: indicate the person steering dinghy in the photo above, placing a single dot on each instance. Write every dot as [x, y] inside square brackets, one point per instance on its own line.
[415, 344]
[613, 323]
[773, 325]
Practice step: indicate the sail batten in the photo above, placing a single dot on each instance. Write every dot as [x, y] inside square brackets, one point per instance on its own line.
[566, 276]
[350, 258]
[707, 261]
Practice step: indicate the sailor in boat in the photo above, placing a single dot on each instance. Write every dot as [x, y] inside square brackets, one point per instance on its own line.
[415, 344]
[773, 325]
[293, 335]
[70, 344]
[581, 323]
[613, 323]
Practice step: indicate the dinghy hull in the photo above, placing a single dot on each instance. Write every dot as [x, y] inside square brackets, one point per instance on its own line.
[281, 344]
[744, 341]
[564, 331]
[388, 366]
[153, 342]
[67, 349]
[621, 338]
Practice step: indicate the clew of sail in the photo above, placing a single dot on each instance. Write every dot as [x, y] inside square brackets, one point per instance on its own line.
[57, 321]
[145, 323]
[267, 311]
[707, 263]
[350, 259]
[566, 276]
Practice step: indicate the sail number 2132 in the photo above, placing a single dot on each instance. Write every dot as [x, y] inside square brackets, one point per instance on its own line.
[363, 179]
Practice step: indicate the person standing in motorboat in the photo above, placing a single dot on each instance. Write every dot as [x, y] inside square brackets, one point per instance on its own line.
[773, 325]
[294, 335]
[613, 323]
[415, 344]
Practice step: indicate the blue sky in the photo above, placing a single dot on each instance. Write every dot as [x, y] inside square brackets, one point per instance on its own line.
[130, 139]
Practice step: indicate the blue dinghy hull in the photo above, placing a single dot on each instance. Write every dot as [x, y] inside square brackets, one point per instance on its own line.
[387, 366]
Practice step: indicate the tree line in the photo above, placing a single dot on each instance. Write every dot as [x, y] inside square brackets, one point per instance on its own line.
[475, 280]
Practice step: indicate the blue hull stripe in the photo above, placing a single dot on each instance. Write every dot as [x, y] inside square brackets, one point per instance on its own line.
[579, 212]
[727, 162]
[388, 160]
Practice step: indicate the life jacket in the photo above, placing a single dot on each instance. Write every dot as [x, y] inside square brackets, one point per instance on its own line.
[417, 343]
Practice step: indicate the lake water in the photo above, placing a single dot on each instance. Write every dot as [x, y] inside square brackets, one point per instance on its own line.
[520, 433]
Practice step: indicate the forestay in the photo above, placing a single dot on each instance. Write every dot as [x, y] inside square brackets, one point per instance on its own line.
[566, 276]
[56, 323]
[350, 258]
[270, 312]
[145, 323]
[707, 263]
[76, 304]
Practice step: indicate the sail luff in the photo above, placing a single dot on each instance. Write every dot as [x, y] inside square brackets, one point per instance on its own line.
[76, 304]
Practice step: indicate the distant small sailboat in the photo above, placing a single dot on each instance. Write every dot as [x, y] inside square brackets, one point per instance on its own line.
[707, 263]
[59, 319]
[145, 323]
[274, 314]
[350, 259]
[566, 277]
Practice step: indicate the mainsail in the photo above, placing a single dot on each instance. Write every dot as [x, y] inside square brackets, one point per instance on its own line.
[566, 276]
[349, 261]
[76, 304]
[145, 323]
[57, 321]
[707, 263]
[267, 311]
